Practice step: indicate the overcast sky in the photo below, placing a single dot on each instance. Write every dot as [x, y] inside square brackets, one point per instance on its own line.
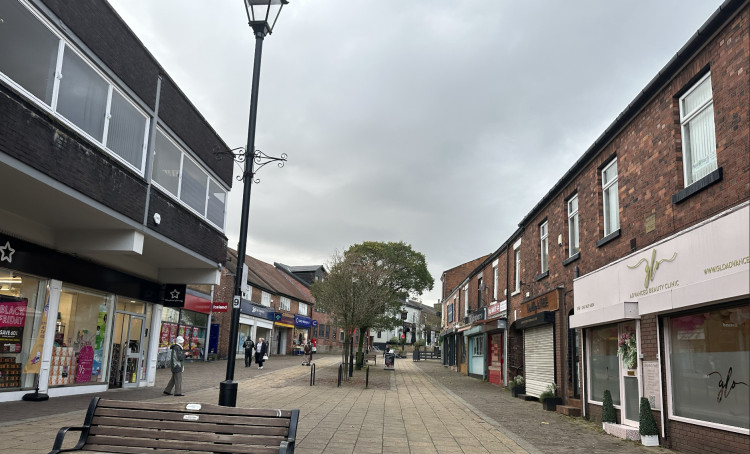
[438, 123]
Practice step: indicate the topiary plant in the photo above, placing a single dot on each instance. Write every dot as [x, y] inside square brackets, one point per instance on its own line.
[608, 408]
[646, 422]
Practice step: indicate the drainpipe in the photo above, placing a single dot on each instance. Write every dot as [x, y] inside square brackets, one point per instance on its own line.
[150, 150]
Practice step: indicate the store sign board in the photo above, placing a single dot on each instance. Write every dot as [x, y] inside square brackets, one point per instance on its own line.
[497, 308]
[302, 322]
[255, 310]
[197, 304]
[715, 253]
[174, 295]
[220, 307]
[546, 302]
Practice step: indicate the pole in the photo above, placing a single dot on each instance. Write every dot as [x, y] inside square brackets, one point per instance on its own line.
[228, 388]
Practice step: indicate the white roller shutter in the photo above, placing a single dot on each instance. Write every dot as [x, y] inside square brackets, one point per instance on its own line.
[539, 359]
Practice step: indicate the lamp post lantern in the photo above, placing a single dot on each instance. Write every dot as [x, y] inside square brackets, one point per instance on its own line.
[258, 14]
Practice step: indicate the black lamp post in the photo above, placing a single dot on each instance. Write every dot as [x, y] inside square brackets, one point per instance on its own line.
[258, 14]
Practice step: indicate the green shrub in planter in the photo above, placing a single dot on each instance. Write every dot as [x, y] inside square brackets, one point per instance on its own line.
[608, 408]
[646, 423]
[551, 391]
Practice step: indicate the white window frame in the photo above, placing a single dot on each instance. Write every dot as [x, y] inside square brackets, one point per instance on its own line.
[544, 246]
[495, 275]
[517, 268]
[285, 304]
[573, 219]
[466, 300]
[685, 120]
[52, 107]
[302, 309]
[606, 186]
[265, 299]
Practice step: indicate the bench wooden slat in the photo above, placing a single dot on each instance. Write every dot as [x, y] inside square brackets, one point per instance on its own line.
[204, 408]
[179, 416]
[95, 448]
[212, 437]
[108, 440]
[189, 426]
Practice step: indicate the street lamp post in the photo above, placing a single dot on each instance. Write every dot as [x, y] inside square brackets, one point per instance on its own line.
[258, 14]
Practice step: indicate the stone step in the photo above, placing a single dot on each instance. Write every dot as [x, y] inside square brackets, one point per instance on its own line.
[569, 410]
[622, 431]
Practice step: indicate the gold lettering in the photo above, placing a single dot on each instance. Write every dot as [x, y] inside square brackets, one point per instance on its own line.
[651, 267]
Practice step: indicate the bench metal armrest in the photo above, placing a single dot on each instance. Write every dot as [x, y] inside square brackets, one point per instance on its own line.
[57, 447]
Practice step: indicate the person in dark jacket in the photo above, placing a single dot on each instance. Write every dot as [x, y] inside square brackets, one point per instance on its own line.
[261, 350]
[177, 363]
[249, 346]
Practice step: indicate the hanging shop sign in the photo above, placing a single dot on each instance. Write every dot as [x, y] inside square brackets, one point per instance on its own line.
[255, 310]
[547, 302]
[220, 307]
[302, 322]
[497, 309]
[475, 316]
[174, 295]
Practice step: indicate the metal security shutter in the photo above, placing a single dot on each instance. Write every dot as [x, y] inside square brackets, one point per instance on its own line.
[539, 358]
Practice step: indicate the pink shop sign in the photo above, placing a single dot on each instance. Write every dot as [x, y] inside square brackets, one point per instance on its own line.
[85, 363]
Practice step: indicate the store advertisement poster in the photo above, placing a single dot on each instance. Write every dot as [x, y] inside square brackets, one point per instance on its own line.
[12, 319]
[172, 333]
[34, 363]
[85, 365]
[101, 328]
[164, 335]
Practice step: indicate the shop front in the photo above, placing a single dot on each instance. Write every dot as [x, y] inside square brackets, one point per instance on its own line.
[672, 323]
[69, 326]
[283, 335]
[476, 342]
[302, 326]
[191, 322]
[495, 330]
[256, 321]
[536, 317]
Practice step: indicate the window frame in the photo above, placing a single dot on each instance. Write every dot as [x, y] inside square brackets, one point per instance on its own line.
[301, 306]
[265, 297]
[517, 271]
[495, 274]
[607, 189]
[285, 304]
[573, 218]
[544, 245]
[685, 119]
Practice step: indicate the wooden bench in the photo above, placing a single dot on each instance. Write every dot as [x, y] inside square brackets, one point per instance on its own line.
[429, 355]
[116, 426]
[373, 357]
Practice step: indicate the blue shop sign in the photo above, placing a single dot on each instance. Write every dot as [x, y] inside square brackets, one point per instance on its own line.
[302, 322]
[254, 310]
[314, 323]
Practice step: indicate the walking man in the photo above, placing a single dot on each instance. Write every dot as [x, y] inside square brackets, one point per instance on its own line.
[249, 351]
[177, 364]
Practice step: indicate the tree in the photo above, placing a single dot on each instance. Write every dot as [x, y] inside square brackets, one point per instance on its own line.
[367, 284]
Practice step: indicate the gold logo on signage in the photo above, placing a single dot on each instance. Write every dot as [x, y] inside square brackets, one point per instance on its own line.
[651, 267]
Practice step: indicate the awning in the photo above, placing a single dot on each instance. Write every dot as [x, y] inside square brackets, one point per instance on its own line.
[473, 331]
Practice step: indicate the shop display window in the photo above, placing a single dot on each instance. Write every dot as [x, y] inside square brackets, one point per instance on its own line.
[709, 365]
[21, 312]
[80, 339]
[604, 368]
[188, 324]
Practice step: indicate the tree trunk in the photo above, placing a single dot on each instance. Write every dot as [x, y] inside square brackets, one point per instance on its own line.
[360, 356]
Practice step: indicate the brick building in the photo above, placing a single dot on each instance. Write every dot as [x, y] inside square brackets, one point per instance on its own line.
[632, 274]
[113, 204]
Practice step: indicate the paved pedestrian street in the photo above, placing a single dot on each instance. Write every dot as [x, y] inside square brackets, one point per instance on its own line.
[407, 410]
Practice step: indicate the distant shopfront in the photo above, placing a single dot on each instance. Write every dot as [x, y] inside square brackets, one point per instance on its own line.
[536, 317]
[256, 321]
[190, 321]
[494, 328]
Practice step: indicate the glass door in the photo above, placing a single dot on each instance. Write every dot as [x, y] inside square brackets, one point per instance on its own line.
[630, 387]
[127, 350]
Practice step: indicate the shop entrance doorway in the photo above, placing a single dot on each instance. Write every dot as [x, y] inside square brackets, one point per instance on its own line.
[127, 350]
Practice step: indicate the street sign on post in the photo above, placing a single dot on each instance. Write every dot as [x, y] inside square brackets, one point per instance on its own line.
[236, 302]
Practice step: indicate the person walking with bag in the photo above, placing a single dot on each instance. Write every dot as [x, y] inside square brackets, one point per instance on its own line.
[177, 364]
[249, 351]
[261, 352]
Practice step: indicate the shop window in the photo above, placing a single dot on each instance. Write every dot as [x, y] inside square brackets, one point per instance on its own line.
[573, 226]
[80, 339]
[698, 131]
[604, 364]
[709, 366]
[478, 346]
[544, 245]
[611, 204]
[21, 314]
[286, 304]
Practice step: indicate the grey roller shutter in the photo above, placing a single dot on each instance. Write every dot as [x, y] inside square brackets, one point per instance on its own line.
[539, 358]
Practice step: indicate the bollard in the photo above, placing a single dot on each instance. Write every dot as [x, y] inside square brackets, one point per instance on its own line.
[340, 372]
[367, 377]
[312, 374]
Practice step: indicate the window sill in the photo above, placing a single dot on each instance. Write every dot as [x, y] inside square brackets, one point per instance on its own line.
[608, 238]
[572, 258]
[542, 276]
[710, 179]
[515, 293]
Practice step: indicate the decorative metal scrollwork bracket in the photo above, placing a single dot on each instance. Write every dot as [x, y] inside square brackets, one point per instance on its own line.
[260, 159]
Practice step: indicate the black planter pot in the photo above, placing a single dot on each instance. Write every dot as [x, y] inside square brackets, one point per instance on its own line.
[518, 390]
[551, 403]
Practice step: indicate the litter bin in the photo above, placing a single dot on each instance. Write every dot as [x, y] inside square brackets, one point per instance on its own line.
[415, 355]
[390, 358]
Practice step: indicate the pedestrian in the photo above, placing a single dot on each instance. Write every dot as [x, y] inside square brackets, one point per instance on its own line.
[308, 354]
[261, 352]
[177, 364]
[249, 350]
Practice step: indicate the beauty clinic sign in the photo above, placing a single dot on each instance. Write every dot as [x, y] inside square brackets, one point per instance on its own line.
[707, 262]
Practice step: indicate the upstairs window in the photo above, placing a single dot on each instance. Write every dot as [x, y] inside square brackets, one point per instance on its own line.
[495, 281]
[573, 226]
[517, 271]
[286, 304]
[544, 245]
[265, 299]
[610, 198]
[302, 308]
[698, 132]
